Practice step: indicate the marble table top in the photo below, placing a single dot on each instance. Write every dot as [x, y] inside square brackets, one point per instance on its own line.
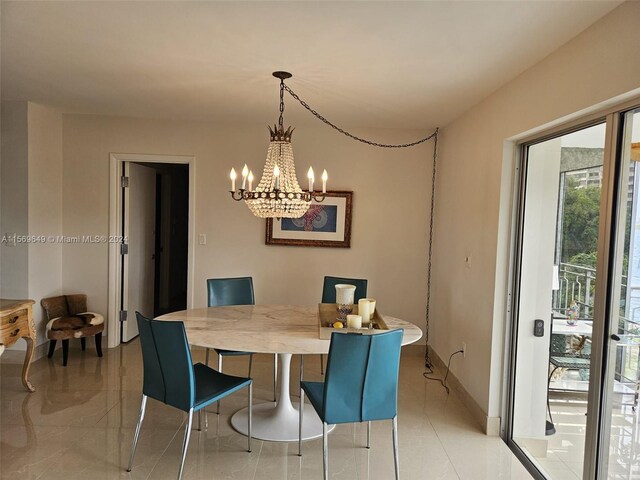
[265, 328]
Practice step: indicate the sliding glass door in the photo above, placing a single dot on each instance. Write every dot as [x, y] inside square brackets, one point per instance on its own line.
[575, 342]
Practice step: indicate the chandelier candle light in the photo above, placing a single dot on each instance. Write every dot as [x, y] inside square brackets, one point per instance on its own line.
[278, 195]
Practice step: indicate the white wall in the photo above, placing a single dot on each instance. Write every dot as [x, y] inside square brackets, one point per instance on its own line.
[389, 231]
[473, 194]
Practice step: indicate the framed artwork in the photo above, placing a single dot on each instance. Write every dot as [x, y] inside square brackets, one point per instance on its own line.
[326, 224]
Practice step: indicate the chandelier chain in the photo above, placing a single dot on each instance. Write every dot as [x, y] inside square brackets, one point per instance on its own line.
[344, 132]
[427, 358]
[281, 119]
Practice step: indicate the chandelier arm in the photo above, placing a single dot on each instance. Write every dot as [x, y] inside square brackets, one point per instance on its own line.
[344, 132]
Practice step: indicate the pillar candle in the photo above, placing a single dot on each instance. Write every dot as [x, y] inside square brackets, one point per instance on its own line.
[363, 310]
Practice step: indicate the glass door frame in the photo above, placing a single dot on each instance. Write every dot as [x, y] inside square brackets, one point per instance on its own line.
[600, 395]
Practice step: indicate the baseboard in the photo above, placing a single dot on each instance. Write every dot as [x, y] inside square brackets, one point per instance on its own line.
[16, 355]
[490, 425]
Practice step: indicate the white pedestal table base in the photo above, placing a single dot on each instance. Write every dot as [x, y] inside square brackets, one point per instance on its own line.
[278, 422]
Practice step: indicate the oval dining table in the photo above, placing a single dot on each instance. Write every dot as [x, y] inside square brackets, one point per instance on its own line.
[281, 329]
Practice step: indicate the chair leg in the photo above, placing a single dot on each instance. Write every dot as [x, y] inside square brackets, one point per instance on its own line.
[220, 370]
[250, 415]
[200, 420]
[300, 408]
[325, 452]
[250, 364]
[83, 343]
[396, 458]
[275, 375]
[368, 434]
[206, 357]
[65, 352]
[321, 364]
[98, 339]
[185, 444]
[136, 436]
[52, 347]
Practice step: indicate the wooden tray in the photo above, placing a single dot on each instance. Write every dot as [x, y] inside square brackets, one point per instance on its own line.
[328, 313]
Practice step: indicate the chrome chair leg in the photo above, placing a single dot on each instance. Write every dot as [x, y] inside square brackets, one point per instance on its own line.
[185, 444]
[206, 357]
[250, 414]
[250, 364]
[325, 452]
[396, 458]
[275, 375]
[136, 436]
[300, 408]
[200, 420]
[368, 434]
[219, 370]
[321, 364]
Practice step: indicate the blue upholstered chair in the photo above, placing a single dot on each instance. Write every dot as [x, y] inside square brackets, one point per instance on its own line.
[234, 291]
[329, 295]
[171, 378]
[361, 385]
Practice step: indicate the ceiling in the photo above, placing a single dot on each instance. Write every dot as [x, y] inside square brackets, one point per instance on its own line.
[361, 64]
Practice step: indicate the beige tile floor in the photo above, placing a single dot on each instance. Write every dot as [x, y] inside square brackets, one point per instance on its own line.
[80, 421]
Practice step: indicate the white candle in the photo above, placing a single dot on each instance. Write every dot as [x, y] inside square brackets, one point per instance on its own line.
[245, 172]
[232, 176]
[276, 174]
[363, 310]
[250, 181]
[310, 177]
[372, 307]
[325, 177]
[354, 321]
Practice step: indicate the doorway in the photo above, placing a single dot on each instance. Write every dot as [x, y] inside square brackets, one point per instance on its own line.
[152, 205]
[155, 223]
[575, 342]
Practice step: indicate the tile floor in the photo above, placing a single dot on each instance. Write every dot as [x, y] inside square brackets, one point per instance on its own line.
[80, 421]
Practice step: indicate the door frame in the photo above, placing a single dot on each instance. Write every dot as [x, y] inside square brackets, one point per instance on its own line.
[116, 161]
[599, 396]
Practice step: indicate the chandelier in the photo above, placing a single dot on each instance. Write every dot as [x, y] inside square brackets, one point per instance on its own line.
[278, 195]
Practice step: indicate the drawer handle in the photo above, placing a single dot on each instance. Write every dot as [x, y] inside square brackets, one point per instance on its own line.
[14, 319]
[14, 333]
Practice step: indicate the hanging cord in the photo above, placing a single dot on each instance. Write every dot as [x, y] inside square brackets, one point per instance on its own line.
[350, 135]
[443, 381]
[427, 359]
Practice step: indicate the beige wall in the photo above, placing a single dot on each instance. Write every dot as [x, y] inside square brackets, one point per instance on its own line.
[31, 204]
[14, 260]
[389, 236]
[45, 208]
[474, 189]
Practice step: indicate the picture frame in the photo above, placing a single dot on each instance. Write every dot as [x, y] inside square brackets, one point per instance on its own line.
[326, 224]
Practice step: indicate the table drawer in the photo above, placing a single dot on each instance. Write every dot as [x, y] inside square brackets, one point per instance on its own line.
[15, 318]
[9, 334]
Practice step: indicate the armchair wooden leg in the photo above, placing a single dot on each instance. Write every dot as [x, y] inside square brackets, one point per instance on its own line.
[83, 343]
[99, 344]
[52, 347]
[65, 352]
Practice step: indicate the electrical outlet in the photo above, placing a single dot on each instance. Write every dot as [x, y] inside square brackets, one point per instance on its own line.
[464, 349]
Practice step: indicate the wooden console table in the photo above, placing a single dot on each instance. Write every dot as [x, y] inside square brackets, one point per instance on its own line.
[16, 321]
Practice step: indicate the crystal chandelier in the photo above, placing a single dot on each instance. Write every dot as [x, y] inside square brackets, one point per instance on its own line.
[278, 195]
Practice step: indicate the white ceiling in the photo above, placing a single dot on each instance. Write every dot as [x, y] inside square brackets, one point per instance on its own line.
[374, 64]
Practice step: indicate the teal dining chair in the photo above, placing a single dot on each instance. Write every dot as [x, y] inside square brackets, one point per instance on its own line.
[361, 385]
[223, 292]
[171, 378]
[329, 295]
